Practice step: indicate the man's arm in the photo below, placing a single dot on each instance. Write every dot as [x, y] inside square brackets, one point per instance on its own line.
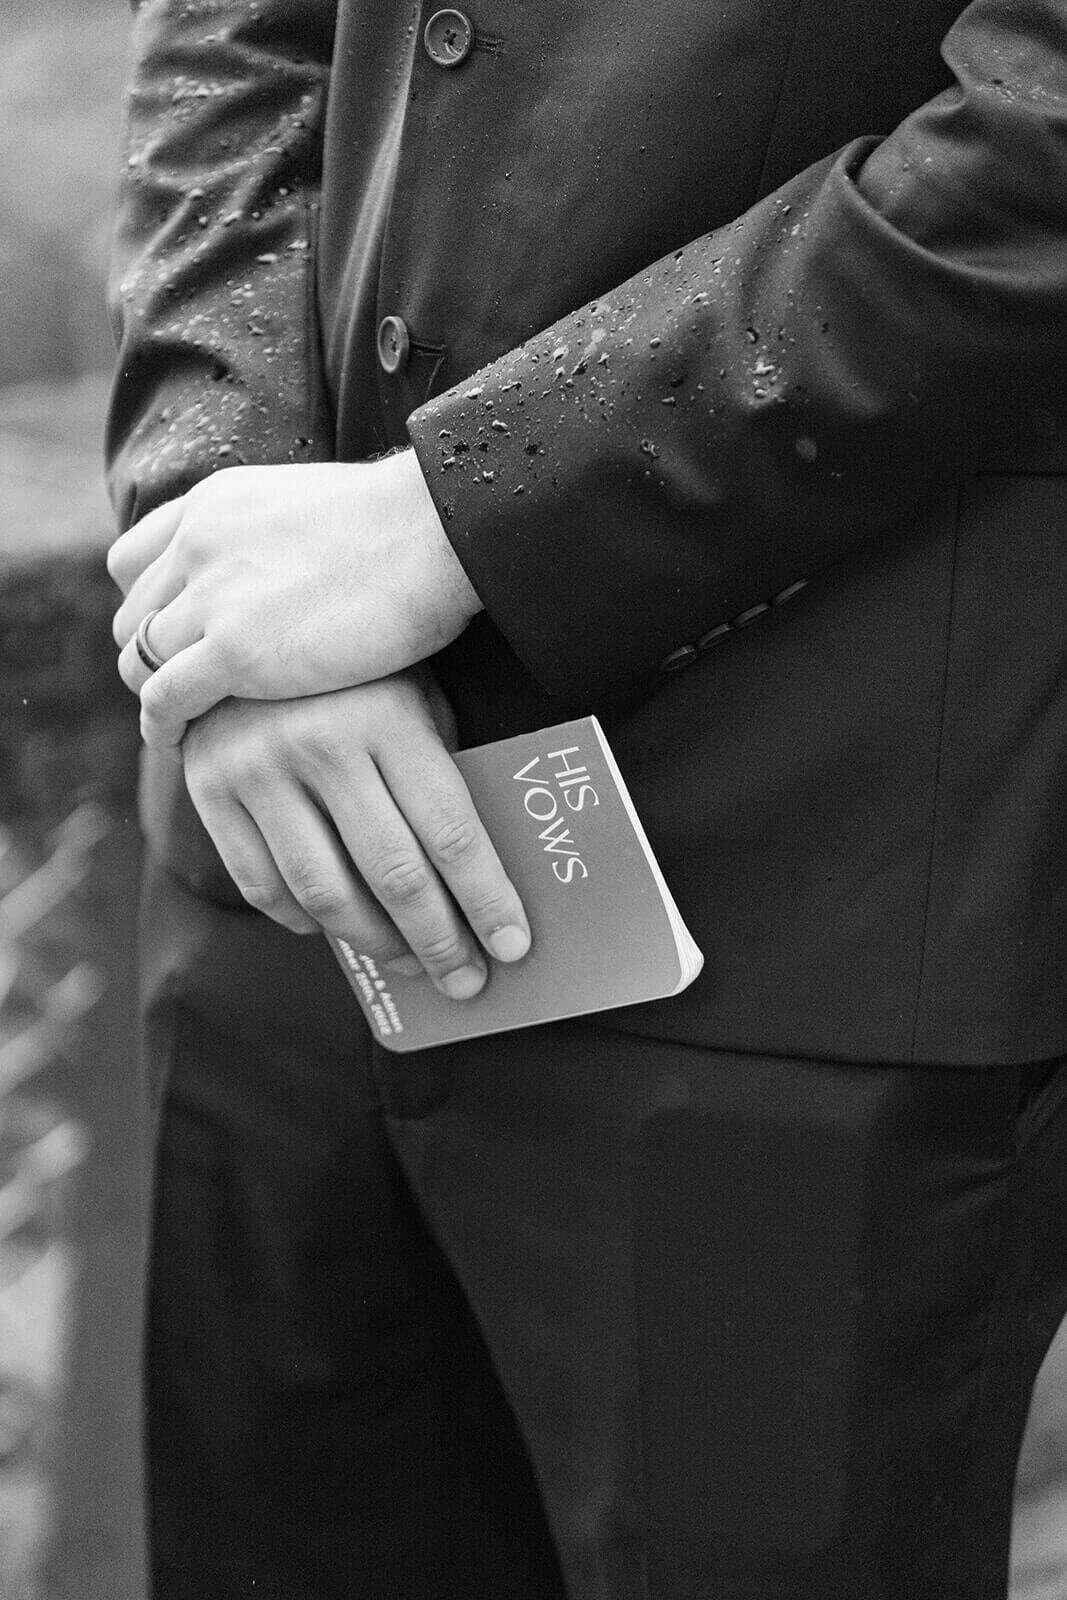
[741, 414]
[728, 422]
[212, 287]
[219, 366]
[345, 813]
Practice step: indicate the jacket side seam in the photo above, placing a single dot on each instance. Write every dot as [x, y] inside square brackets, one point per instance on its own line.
[935, 809]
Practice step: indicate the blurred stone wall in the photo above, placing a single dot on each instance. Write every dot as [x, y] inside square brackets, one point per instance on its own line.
[66, 724]
[68, 738]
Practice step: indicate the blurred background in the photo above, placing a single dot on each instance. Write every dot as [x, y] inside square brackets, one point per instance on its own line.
[70, 1183]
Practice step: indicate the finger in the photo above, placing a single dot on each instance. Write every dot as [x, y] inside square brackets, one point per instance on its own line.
[142, 544]
[395, 868]
[438, 806]
[169, 631]
[156, 588]
[248, 860]
[318, 875]
[186, 686]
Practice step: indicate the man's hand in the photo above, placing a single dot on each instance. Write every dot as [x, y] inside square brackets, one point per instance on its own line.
[345, 813]
[276, 582]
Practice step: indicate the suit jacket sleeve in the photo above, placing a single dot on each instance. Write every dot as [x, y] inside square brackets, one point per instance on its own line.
[746, 410]
[212, 290]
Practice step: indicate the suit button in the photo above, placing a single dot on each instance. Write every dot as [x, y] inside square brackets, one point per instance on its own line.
[393, 344]
[448, 38]
[751, 614]
[714, 636]
[678, 659]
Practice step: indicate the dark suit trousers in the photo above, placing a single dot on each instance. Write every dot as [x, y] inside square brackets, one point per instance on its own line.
[573, 1313]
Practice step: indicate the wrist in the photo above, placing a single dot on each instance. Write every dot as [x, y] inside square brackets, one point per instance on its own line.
[452, 589]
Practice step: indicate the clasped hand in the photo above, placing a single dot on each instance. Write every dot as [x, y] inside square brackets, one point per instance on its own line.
[345, 813]
[288, 600]
[273, 582]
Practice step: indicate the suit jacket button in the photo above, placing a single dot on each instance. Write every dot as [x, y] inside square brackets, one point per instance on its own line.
[751, 614]
[678, 658]
[448, 38]
[714, 636]
[393, 344]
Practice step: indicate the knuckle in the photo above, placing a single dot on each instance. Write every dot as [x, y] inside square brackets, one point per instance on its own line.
[489, 907]
[253, 767]
[320, 897]
[401, 880]
[443, 950]
[454, 840]
[380, 946]
[206, 785]
[323, 747]
[266, 897]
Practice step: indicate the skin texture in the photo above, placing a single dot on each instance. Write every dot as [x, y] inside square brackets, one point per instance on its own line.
[272, 582]
[345, 812]
[333, 801]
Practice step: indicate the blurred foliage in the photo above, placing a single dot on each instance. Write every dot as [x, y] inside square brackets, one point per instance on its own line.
[68, 727]
[51, 480]
[61, 72]
[68, 847]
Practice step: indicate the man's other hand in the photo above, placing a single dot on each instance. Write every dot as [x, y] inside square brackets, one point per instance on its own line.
[275, 582]
[345, 813]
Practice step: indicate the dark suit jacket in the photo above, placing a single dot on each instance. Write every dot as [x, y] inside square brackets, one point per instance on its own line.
[769, 291]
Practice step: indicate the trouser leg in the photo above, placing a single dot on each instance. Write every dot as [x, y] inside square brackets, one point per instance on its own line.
[769, 1327]
[322, 1420]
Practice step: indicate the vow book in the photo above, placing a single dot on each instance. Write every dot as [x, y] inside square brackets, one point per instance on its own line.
[606, 931]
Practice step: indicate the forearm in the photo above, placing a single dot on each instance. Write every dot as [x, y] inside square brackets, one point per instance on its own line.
[742, 413]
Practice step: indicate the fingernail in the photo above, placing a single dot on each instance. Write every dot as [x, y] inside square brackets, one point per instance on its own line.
[406, 966]
[464, 983]
[509, 944]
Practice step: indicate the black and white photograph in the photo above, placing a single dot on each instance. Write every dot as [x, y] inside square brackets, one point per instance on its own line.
[533, 800]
